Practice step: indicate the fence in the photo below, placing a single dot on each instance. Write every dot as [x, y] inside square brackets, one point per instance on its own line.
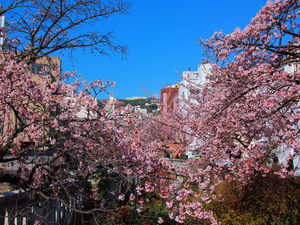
[19, 209]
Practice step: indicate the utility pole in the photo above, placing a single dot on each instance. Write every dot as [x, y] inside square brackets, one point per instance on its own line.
[2, 25]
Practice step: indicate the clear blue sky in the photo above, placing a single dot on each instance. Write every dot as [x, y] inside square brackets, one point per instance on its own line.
[162, 37]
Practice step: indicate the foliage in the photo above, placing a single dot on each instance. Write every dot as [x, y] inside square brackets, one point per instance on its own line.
[136, 102]
[55, 141]
[248, 111]
[143, 103]
[265, 200]
[248, 103]
[152, 212]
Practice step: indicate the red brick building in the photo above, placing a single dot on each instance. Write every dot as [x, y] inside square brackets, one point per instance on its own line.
[168, 98]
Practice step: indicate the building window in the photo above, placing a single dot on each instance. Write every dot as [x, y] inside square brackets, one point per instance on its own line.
[41, 69]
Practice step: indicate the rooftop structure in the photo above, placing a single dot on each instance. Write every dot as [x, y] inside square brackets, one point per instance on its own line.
[193, 78]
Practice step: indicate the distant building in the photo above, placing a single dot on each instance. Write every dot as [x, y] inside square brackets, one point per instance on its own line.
[11, 123]
[46, 66]
[284, 151]
[173, 95]
[111, 105]
[168, 98]
[138, 109]
[192, 78]
[134, 98]
[292, 68]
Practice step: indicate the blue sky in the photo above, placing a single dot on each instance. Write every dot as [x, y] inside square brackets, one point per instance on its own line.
[162, 37]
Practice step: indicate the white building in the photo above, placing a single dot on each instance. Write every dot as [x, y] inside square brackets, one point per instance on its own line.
[135, 98]
[285, 151]
[191, 78]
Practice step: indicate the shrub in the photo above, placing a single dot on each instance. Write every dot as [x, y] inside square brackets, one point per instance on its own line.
[147, 215]
[267, 199]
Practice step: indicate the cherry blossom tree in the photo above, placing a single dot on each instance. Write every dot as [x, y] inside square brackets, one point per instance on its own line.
[239, 120]
[54, 139]
[246, 114]
[250, 102]
[244, 117]
[47, 148]
[39, 28]
[58, 145]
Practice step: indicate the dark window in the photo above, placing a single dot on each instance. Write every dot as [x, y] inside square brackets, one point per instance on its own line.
[41, 69]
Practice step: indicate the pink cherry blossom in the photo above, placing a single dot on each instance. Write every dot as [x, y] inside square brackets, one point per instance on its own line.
[160, 220]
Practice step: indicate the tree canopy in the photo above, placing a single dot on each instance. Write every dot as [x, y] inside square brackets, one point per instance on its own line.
[65, 148]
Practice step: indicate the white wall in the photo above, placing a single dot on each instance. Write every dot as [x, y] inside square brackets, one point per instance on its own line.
[193, 78]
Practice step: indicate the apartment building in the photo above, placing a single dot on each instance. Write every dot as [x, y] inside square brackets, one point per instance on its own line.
[168, 99]
[46, 66]
[192, 78]
[283, 152]
[175, 95]
[10, 124]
